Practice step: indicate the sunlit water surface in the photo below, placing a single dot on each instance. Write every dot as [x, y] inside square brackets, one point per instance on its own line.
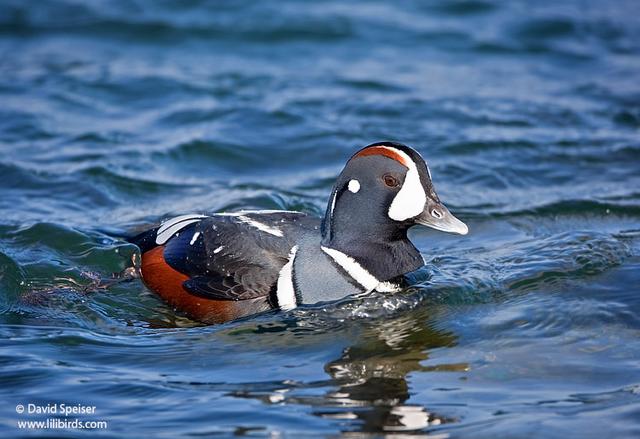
[116, 115]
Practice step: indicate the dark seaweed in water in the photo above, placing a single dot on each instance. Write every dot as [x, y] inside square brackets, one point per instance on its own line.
[119, 114]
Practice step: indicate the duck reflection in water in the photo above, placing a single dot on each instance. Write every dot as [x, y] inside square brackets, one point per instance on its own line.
[369, 392]
[372, 376]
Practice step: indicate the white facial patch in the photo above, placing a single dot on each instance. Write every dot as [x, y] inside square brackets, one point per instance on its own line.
[354, 186]
[411, 198]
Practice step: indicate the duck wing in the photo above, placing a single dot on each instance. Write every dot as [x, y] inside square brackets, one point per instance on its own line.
[232, 256]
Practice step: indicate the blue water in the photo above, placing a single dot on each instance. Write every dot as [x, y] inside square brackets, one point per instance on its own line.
[117, 114]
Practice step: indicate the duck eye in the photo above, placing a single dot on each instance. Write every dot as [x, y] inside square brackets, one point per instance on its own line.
[390, 180]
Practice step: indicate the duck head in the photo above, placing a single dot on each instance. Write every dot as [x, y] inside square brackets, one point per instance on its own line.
[384, 189]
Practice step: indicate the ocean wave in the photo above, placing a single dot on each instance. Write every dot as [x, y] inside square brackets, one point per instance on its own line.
[584, 207]
[165, 26]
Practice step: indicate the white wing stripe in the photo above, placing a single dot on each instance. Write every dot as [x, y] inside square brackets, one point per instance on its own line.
[174, 225]
[261, 226]
[255, 212]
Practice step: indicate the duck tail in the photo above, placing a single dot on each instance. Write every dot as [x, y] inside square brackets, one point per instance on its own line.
[145, 240]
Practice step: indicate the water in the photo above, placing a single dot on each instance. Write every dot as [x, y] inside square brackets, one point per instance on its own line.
[118, 114]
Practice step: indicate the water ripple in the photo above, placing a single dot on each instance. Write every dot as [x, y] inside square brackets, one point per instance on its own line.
[117, 115]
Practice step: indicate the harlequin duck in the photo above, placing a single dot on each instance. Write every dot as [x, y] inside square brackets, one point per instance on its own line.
[224, 266]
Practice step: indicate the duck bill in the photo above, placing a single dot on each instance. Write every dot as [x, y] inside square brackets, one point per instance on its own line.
[437, 216]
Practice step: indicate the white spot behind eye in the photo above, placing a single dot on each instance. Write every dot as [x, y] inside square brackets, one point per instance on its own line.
[354, 186]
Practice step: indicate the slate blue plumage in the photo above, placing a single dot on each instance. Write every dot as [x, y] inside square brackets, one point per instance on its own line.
[271, 259]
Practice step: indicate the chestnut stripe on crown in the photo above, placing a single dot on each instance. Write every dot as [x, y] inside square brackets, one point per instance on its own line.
[386, 151]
